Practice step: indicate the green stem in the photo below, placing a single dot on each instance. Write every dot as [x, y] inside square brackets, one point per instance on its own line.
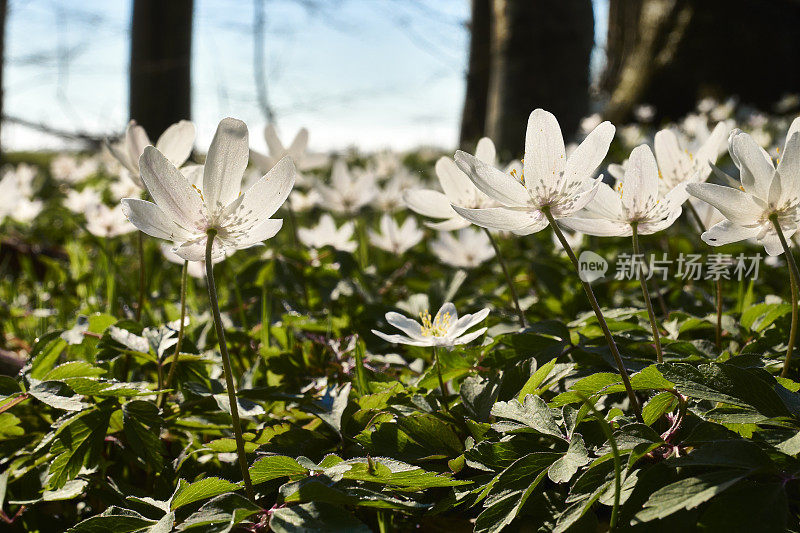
[177, 354]
[226, 366]
[265, 316]
[718, 285]
[110, 278]
[522, 322]
[599, 314]
[650, 313]
[718, 337]
[142, 278]
[441, 381]
[617, 462]
[794, 277]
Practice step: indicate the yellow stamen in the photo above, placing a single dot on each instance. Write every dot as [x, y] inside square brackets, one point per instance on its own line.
[436, 327]
[196, 188]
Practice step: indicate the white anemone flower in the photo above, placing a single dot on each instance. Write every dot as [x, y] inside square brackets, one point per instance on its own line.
[349, 192]
[446, 329]
[766, 192]
[681, 161]
[107, 222]
[469, 248]
[550, 180]
[396, 238]
[636, 200]
[458, 190]
[390, 196]
[175, 144]
[325, 233]
[82, 201]
[185, 213]
[15, 204]
[297, 150]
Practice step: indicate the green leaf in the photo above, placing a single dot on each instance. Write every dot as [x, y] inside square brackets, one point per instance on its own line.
[534, 413]
[536, 379]
[74, 369]
[274, 467]
[657, 406]
[142, 426]
[568, 464]
[397, 474]
[724, 382]
[362, 384]
[57, 394]
[76, 444]
[45, 353]
[315, 517]
[113, 519]
[229, 508]
[187, 493]
[687, 494]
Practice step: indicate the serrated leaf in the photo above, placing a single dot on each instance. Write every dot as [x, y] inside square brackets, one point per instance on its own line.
[562, 470]
[209, 487]
[274, 467]
[534, 413]
[315, 517]
[687, 494]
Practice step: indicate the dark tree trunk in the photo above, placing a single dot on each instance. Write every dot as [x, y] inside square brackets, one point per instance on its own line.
[160, 69]
[671, 53]
[540, 58]
[3, 12]
[473, 117]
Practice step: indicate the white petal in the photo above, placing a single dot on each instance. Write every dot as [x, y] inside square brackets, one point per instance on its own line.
[225, 164]
[265, 230]
[136, 140]
[772, 243]
[710, 150]
[492, 181]
[410, 327]
[447, 308]
[261, 161]
[177, 141]
[456, 185]
[597, 226]
[789, 169]
[545, 157]
[533, 227]
[428, 203]
[727, 232]
[587, 157]
[756, 170]
[299, 144]
[170, 190]
[673, 162]
[485, 151]
[500, 217]
[399, 339]
[196, 250]
[736, 205]
[469, 337]
[150, 219]
[274, 144]
[468, 321]
[267, 194]
[451, 224]
[640, 186]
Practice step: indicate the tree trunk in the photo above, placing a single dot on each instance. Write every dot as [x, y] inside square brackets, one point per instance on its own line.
[3, 12]
[160, 69]
[671, 53]
[540, 58]
[473, 117]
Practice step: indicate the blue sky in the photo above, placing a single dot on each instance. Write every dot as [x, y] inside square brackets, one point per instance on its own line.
[369, 73]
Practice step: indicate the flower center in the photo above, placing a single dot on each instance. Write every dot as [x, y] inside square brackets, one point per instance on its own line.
[437, 327]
